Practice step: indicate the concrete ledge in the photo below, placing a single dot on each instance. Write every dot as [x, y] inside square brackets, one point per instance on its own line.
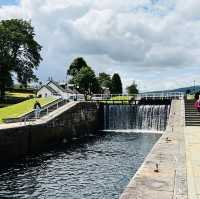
[169, 154]
[75, 119]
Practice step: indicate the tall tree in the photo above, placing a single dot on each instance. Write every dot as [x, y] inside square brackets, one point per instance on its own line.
[116, 84]
[105, 80]
[19, 52]
[132, 89]
[86, 81]
[76, 66]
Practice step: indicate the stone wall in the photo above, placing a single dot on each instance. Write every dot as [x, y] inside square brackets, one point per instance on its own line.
[77, 121]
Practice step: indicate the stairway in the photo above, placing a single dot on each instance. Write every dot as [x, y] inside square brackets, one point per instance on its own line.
[192, 116]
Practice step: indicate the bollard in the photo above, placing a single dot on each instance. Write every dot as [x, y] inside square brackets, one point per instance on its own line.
[156, 170]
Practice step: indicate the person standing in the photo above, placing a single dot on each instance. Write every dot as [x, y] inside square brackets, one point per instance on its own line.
[37, 107]
[197, 105]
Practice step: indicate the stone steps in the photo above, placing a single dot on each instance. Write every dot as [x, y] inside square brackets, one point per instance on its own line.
[192, 123]
[192, 116]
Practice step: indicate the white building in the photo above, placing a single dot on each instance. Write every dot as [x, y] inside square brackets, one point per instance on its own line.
[52, 88]
[46, 91]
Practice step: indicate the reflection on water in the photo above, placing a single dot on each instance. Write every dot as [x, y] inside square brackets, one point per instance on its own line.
[98, 167]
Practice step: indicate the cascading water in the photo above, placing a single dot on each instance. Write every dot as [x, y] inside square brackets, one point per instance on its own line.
[147, 117]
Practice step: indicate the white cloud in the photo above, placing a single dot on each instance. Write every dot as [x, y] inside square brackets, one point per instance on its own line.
[156, 42]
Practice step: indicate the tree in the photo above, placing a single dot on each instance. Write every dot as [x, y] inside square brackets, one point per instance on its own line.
[188, 91]
[86, 81]
[196, 96]
[76, 66]
[116, 87]
[19, 52]
[105, 80]
[132, 89]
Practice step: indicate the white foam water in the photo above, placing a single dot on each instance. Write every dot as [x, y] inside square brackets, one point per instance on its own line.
[134, 131]
[145, 117]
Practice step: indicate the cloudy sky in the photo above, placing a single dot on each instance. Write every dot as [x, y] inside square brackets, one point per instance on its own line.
[155, 42]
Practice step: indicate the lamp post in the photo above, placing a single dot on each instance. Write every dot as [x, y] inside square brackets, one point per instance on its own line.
[77, 87]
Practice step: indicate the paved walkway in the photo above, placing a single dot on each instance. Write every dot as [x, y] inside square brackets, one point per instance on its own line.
[169, 153]
[192, 137]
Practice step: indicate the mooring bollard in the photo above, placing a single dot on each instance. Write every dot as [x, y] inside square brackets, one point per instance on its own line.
[156, 169]
[168, 140]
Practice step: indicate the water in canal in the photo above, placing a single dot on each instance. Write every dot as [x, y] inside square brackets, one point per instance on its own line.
[99, 167]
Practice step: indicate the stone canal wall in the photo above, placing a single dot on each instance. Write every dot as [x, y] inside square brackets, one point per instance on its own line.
[76, 119]
[169, 154]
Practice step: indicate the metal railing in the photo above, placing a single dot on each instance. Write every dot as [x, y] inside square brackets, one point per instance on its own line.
[44, 111]
[125, 97]
[172, 95]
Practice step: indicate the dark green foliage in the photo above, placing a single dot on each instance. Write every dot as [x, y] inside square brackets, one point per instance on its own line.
[188, 91]
[197, 95]
[76, 66]
[116, 87]
[19, 52]
[132, 89]
[86, 81]
[105, 80]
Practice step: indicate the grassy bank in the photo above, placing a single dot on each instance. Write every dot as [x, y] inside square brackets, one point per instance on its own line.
[19, 95]
[12, 98]
[22, 108]
[122, 98]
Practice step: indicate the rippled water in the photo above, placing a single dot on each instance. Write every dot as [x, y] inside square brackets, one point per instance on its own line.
[98, 167]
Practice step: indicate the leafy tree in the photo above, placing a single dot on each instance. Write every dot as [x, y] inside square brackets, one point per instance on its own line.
[86, 81]
[76, 66]
[105, 80]
[19, 52]
[188, 91]
[132, 89]
[116, 87]
[196, 96]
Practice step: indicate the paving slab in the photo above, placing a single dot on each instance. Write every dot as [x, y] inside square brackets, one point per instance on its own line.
[169, 153]
[192, 138]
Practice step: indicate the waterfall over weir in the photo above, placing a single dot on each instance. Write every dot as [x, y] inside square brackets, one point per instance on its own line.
[146, 117]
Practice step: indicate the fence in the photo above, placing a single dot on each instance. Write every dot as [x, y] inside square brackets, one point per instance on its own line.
[31, 115]
[126, 97]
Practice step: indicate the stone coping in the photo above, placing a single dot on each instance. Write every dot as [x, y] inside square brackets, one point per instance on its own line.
[169, 153]
[42, 120]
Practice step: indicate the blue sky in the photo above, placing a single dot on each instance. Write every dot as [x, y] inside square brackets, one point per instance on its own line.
[154, 42]
[9, 2]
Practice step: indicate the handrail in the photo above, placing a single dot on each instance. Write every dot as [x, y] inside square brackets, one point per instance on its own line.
[48, 110]
[31, 115]
[179, 95]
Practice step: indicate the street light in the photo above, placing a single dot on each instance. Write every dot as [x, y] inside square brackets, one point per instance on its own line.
[77, 87]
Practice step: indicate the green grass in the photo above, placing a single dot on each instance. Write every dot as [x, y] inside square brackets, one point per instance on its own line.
[22, 108]
[121, 98]
[19, 95]
[190, 96]
[116, 100]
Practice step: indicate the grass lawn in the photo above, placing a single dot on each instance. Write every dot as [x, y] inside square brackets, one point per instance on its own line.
[22, 108]
[116, 100]
[190, 97]
[121, 98]
[20, 95]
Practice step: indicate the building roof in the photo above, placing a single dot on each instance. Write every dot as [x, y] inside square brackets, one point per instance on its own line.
[67, 90]
[49, 88]
[56, 84]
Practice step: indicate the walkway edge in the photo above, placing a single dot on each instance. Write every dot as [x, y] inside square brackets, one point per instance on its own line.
[169, 154]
